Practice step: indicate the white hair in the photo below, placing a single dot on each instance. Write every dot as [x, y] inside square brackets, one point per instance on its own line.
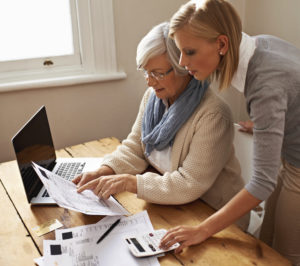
[198, 3]
[157, 42]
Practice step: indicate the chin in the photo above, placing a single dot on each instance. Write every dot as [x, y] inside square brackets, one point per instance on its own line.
[199, 76]
[160, 95]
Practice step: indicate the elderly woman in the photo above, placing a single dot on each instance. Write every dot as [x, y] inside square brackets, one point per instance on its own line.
[182, 129]
[267, 70]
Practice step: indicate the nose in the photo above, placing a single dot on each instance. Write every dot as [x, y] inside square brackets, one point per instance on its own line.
[183, 60]
[151, 81]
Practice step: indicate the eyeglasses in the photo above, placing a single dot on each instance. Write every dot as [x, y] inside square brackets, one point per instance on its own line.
[156, 75]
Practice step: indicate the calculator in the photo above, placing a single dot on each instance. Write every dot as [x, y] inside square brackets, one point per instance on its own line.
[148, 244]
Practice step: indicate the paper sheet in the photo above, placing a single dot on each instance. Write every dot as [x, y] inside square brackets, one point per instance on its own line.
[65, 195]
[39, 261]
[139, 221]
[80, 247]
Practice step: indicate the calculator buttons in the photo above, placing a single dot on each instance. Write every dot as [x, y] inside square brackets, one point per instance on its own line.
[152, 248]
[137, 244]
[147, 244]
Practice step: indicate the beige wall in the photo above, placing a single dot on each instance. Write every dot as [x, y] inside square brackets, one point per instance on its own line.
[275, 17]
[86, 112]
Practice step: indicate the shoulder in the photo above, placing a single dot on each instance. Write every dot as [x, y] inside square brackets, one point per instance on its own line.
[273, 44]
[274, 69]
[148, 92]
[213, 106]
[273, 60]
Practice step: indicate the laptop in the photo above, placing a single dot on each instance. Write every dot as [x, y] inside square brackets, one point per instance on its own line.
[33, 143]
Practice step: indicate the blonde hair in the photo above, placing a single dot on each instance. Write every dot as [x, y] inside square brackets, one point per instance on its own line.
[157, 42]
[208, 19]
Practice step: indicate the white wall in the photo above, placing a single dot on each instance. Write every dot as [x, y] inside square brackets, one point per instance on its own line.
[91, 111]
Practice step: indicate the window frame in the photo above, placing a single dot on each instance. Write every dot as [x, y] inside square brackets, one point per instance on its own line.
[97, 48]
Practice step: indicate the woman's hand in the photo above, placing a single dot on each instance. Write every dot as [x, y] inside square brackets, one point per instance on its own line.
[185, 236]
[84, 178]
[105, 186]
[246, 126]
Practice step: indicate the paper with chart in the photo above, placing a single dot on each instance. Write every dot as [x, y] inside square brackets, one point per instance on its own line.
[77, 246]
[65, 195]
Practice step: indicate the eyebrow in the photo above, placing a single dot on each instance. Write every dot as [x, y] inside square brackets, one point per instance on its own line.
[188, 48]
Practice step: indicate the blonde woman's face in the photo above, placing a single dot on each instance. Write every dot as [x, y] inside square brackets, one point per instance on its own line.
[199, 56]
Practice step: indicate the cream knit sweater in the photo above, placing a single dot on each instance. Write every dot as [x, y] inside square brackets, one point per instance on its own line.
[203, 161]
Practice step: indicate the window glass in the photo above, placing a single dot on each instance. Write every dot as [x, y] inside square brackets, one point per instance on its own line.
[35, 28]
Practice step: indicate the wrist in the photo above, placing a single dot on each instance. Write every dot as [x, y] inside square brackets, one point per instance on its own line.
[131, 184]
[105, 170]
[206, 231]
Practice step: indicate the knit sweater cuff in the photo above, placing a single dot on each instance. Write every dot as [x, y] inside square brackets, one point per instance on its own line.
[112, 165]
[140, 186]
[258, 190]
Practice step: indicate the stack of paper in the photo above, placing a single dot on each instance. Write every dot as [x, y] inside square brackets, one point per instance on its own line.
[65, 195]
[77, 246]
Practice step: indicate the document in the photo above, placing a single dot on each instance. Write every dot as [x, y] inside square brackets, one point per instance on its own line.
[77, 246]
[39, 261]
[65, 195]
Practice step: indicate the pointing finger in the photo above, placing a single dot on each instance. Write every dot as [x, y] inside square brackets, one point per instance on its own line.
[76, 179]
[89, 185]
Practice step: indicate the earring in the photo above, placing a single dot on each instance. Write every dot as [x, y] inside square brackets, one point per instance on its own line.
[221, 53]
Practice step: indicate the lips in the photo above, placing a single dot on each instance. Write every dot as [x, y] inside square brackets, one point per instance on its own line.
[158, 90]
[192, 72]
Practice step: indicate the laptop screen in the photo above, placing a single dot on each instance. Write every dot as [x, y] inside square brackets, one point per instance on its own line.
[34, 143]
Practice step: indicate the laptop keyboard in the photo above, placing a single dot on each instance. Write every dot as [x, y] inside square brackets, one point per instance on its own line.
[31, 184]
[70, 170]
[45, 194]
[67, 171]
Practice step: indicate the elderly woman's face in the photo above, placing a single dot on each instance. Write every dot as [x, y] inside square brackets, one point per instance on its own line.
[172, 85]
[200, 57]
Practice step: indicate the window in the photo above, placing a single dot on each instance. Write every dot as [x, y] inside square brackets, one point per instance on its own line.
[56, 42]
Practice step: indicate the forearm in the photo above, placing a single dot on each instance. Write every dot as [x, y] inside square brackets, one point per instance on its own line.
[238, 206]
[171, 188]
[131, 184]
[242, 203]
[128, 157]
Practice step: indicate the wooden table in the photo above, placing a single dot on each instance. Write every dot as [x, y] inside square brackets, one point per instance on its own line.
[19, 244]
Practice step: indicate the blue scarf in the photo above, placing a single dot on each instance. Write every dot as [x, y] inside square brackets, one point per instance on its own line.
[159, 127]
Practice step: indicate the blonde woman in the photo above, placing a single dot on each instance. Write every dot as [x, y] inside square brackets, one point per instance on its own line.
[182, 129]
[267, 70]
